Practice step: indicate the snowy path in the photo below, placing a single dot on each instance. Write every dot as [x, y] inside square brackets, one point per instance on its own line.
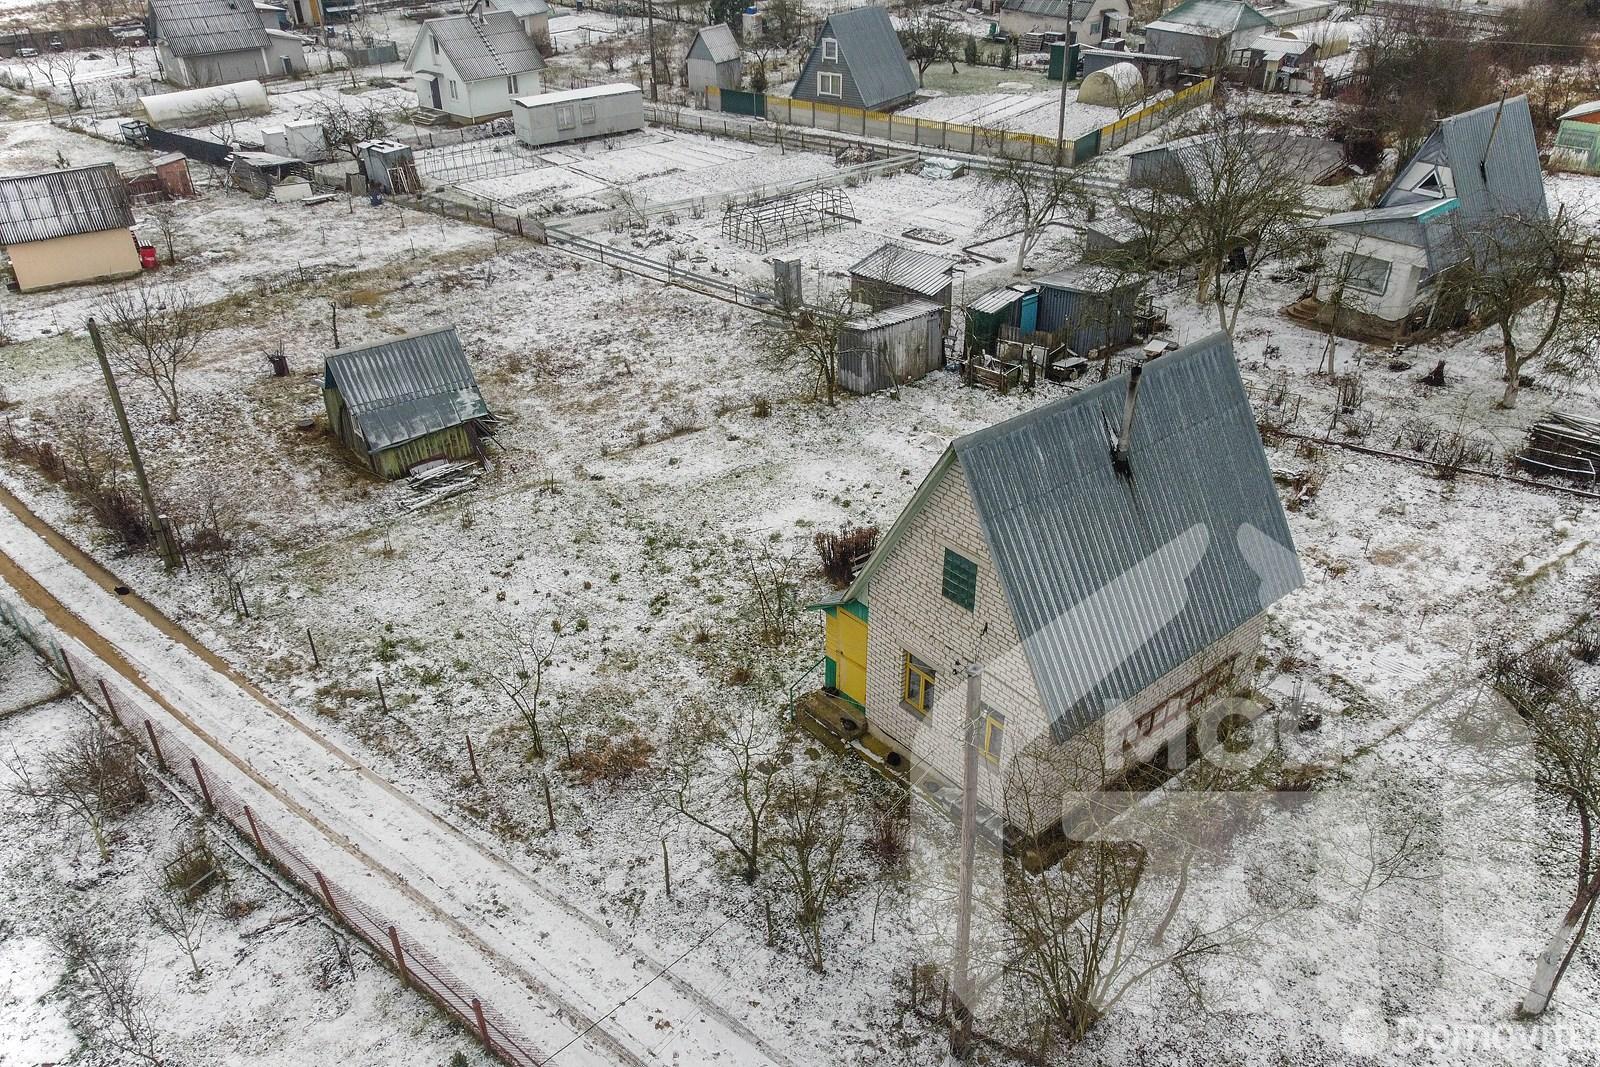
[550, 968]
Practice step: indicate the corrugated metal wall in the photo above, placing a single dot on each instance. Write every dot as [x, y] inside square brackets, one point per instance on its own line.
[1096, 319]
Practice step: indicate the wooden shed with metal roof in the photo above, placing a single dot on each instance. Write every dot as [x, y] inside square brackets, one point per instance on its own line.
[893, 274]
[400, 402]
[63, 227]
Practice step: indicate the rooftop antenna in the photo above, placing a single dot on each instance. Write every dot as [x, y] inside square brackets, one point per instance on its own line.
[1119, 454]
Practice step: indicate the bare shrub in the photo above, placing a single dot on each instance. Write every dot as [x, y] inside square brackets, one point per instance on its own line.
[843, 553]
[610, 760]
[92, 776]
[102, 965]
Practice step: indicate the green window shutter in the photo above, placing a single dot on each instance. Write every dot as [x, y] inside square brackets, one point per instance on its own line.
[960, 579]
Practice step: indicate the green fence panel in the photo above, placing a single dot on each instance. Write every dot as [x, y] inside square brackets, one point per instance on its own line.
[1086, 147]
[740, 102]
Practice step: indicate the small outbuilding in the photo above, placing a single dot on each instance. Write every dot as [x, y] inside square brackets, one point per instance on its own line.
[1118, 86]
[891, 347]
[64, 227]
[1095, 305]
[533, 15]
[203, 107]
[405, 401]
[894, 274]
[857, 61]
[572, 115]
[1205, 34]
[1085, 22]
[714, 61]
[1577, 144]
[1159, 72]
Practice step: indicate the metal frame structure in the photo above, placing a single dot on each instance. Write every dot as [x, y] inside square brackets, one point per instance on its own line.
[762, 224]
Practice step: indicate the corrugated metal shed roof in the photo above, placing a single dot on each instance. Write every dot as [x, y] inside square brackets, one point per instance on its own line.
[915, 309]
[523, 9]
[905, 268]
[60, 203]
[872, 50]
[1211, 18]
[571, 96]
[1044, 8]
[1493, 158]
[490, 47]
[715, 43]
[403, 388]
[1115, 580]
[995, 300]
[1086, 278]
[206, 27]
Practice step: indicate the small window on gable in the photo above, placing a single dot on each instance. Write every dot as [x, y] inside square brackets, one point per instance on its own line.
[435, 42]
[960, 582]
[1430, 184]
[830, 84]
[830, 49]
[511, 84]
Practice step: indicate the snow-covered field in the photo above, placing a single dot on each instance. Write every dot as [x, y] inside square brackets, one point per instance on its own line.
[639, 458]
[1019, 112]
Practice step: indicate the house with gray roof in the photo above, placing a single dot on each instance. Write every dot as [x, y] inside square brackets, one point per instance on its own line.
[1085, 22]
[1098, 570]
[533, 15]
[469, 67]
[857, 61]
[1387, 263]
[64, 227]
[405, 401]
[1205, 34]
[714, 60]
[220, 42]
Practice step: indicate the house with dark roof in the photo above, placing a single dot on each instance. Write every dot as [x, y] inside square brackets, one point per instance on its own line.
[63, 227]
[857, 61]
[220, 42]
[1205, 34]
[1090, 578]
[469, 67]
[714, 60]
[533, 15]
[1387, 263]
[405, 401]
[1085, 22]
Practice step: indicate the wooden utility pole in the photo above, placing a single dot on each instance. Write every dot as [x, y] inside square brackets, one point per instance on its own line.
[961, 967]
[1061, 116]
[650, 28]
[158, 523]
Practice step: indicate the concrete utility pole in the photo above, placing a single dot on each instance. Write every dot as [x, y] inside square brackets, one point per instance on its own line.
[650, 30]
[961, 967]
[158, 522]
[1061, 116]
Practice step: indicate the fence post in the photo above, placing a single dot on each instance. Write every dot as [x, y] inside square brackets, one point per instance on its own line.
[483, 1024]
[66, 662]
[316, 660]
[399, 957]
[255, 832]
[155, 746]
[104, 692]
[200, 777]
[327, 894]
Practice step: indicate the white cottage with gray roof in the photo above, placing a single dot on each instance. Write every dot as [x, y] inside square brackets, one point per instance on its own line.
[469, 67]
[1105, 562]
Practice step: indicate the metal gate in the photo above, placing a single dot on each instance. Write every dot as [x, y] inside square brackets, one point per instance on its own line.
[740, 102]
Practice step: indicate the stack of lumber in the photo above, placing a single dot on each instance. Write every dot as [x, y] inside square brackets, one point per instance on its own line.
[1563, 444]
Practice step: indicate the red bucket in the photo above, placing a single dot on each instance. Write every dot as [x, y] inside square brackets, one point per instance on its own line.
[147, 257]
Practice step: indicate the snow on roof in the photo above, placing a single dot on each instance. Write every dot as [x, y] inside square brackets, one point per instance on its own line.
[401, 388]
[207, 27]
[570, 96]
[905, 268]
[61, 203]
[1210, 18]
[1582, 110]
[893, 316]
[488, 46]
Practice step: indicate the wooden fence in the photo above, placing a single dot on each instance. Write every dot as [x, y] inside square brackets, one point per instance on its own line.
[411, 960]
[954, 136]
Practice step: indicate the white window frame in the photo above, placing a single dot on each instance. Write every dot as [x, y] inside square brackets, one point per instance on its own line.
[830, 50]
[824, 78]
[586, 114]
[453, 94]
[1354, 279]
[565, 119]
[511, 84]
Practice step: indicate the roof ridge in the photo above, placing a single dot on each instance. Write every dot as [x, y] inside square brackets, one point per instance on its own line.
[365, 345]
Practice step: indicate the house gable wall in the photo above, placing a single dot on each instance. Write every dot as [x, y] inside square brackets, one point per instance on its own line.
[83, 257]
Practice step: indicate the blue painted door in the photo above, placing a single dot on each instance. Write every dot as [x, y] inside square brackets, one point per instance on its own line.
[1028, 315]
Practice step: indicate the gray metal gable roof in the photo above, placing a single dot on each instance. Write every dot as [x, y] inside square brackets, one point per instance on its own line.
[487, 47]
[872, 51]
[1213, 17]
[906, 268]
[1115, 580]
[715, 43]
[523, 9]
[403, 388]
[61, 203]
[1045, 8]
[208, 27]
[1493, 158]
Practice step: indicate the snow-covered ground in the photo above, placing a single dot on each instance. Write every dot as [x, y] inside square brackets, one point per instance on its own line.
[1020, 111]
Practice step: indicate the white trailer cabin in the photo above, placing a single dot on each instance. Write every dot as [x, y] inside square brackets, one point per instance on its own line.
[595, 111]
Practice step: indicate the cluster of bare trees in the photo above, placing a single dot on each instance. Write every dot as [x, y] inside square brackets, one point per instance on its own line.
[92, 777]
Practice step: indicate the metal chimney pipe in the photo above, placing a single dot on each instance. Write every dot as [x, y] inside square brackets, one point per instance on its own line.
[1119, 454]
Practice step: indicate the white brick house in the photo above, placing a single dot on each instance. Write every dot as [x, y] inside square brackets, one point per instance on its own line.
[1107, 606]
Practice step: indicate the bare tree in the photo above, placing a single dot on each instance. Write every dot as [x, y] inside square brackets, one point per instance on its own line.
[166, 222]
[927, 40]
[1228, 201]
[1029, 197]
[154, 332]
[67, 65]
[181, 919]
[102, 963]
[520, 657]
[722, 767]
[808, 337]
[92, 777]
[1538, 281]
[771, 581]
[346, 124]
[811, 810]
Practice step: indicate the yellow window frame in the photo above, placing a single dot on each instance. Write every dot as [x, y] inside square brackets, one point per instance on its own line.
[994, 728]
[924, 675]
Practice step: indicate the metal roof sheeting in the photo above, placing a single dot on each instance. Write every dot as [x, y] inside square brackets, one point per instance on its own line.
[61, 203]
[915, 309]
[871, 49]
[403, 388]
[1115, 580]
[1043, 8]
[494, 46]
[715, 43]
[905, 268]
[523, 9]
[1501, 143]
[206, 27]
[1210, 18]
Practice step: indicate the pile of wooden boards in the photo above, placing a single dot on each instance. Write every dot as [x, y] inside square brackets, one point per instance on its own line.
[441, 480]
[1563, 444]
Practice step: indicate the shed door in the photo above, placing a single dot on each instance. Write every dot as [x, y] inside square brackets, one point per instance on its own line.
[847, 646]
[1028, 320]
